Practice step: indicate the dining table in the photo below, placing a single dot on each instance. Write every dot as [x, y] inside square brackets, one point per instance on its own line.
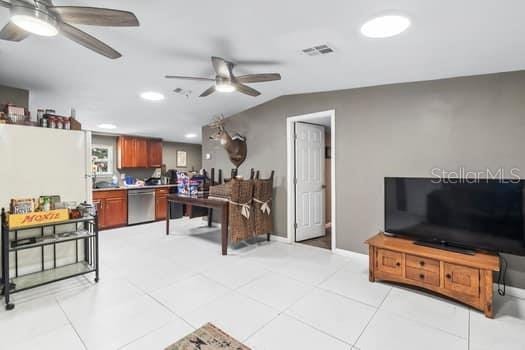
[204, 201]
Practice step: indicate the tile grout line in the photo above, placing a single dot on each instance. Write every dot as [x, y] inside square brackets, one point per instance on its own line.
[468, 333]
[371, 318]
[71, 324]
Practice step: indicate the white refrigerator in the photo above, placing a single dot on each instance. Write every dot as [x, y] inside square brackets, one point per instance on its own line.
[38, 161]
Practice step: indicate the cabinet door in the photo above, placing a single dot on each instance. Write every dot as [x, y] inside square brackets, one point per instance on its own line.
[390, 262]
[160, 207]
[154, 153]
[462, 279]
[99, 204]
[140, 153]
[116, 212]
[125, 152]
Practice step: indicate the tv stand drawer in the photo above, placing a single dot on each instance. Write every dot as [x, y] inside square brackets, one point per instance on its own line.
[422, 276]
[419, 262]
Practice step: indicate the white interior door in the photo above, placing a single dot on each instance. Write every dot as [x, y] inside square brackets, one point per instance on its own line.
[309, 187]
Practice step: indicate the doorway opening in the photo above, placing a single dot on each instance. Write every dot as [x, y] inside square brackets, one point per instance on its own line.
[311, 179]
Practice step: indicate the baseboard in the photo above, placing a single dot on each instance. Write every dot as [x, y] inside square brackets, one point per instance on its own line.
[279, 239]
[512, 291]
[349, 253]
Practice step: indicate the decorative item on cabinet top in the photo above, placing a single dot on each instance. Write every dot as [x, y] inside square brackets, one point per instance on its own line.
[138, 152]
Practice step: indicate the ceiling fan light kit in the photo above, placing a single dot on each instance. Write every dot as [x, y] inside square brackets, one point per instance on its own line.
[34, 20]
[224, 86]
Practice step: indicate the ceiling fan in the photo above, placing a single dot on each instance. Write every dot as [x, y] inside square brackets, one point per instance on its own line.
[41, 17]
[226, 81]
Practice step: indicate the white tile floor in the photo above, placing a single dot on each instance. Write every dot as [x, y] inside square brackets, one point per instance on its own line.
[154, 289]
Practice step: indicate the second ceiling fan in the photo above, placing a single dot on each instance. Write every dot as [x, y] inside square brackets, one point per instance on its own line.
[226, 81]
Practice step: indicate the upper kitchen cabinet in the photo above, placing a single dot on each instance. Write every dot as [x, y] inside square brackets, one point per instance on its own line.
[141, 152]
[138, 152]
[155, 153]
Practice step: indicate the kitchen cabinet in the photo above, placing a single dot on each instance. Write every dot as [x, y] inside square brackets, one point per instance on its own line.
[154, 153]
[160, 203]
[112, 208]
[125, 152]
[138, 152]
[141, 153]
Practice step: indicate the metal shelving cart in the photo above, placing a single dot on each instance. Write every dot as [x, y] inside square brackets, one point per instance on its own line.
[84, 229]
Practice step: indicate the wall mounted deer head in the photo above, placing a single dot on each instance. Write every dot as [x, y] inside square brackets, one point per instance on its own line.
[235, 146]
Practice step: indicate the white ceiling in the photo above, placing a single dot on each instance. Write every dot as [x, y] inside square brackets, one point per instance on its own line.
[447, 38]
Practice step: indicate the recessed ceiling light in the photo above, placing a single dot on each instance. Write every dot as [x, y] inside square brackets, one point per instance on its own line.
[190, 136]
[152, 96]
[385, 26]
[107, 126]
[33, 21]
[224, 87]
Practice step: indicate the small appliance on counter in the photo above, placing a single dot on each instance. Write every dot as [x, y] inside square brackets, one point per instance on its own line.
[153, 181]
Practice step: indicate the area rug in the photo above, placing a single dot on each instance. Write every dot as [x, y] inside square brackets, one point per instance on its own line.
[208, 337]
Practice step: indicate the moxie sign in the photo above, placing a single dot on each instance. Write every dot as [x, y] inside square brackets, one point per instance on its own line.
[35, 218]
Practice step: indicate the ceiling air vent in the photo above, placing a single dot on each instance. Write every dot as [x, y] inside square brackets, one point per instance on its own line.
[318, 50]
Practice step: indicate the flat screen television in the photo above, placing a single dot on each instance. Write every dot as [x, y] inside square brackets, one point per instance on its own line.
[487, 215]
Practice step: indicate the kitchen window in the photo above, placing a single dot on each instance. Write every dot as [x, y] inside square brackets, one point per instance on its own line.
[102, 159]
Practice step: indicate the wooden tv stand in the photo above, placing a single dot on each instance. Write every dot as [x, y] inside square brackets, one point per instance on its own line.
[466, 278]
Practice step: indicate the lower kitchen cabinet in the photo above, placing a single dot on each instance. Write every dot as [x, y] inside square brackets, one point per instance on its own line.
[112, 208]
[160, 203]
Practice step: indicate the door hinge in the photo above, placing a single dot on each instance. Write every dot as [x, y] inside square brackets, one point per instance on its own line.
[295, 181]
[295, 226]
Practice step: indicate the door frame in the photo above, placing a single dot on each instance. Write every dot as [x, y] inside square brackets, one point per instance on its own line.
[290, 171]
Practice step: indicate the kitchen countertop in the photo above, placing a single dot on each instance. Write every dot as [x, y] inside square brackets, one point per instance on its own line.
[131, 188]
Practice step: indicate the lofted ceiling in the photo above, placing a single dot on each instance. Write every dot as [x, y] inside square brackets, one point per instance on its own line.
[447, 38]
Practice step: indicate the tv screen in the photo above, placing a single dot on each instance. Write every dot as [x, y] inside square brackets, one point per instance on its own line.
[485, 215]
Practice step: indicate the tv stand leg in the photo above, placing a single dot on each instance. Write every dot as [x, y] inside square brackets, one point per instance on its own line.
[487, 293]
[371, 259]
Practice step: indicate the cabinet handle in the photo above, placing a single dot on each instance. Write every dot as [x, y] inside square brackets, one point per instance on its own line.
[398, 263]
[448, 276]
[422, 276]
[422, 263]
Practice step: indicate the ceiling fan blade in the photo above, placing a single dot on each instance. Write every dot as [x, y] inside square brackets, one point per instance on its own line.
[5, 4]
[245, 89]
[88, 41]
[95, 16]
[258, 78]
[222, 67]
[12, 32]
[208, 91]
[187, 78]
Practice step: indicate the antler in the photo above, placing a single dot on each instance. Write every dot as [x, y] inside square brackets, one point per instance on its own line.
[218, 122]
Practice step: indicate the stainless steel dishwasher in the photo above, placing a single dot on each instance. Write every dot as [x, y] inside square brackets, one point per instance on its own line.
[141, 206]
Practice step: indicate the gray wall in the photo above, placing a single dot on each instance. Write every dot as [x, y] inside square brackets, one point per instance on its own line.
[19, 97]
[393, 130]
[169, 156]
